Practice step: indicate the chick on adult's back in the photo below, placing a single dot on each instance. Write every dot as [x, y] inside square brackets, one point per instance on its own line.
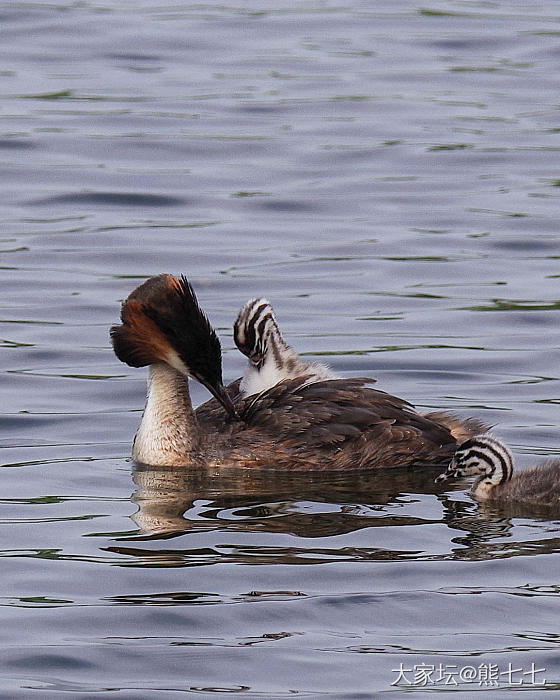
[271, 359]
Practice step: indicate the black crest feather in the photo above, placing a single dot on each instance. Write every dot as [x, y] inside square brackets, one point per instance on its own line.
[163, 315]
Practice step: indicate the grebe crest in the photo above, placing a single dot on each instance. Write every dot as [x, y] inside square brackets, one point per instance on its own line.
[333, 424]
[492, 461]
[271, 359]
[163, 323]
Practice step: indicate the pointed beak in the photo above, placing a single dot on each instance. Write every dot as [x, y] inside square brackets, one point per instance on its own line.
[449, 474]
[219, 392]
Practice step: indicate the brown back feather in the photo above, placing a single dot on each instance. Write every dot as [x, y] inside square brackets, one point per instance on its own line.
[343, 424]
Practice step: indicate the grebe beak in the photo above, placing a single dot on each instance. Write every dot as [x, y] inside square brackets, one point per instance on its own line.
[219, 392]
[451, 473]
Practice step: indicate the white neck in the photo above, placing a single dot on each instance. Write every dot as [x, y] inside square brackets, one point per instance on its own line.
[257, 379]
[168, 432]
[485, 485]
[280, 362]
[482, 488]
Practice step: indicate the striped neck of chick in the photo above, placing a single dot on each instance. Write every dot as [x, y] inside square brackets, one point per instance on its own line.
[271, 359]
[485, 456]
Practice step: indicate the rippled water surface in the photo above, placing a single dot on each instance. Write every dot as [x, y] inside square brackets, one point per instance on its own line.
[387, 174]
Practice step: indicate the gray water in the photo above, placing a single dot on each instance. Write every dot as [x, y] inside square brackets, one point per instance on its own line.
[387, 174]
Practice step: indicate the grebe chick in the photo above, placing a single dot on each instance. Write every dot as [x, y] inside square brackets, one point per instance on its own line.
[331, 424]
[271, 359]
[493, 461]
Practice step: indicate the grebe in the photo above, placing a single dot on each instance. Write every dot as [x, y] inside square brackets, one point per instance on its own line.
[329, 424]
[271, 359]
[484, 455]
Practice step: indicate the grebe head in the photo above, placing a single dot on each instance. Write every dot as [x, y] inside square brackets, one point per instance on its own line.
[162, 322]
[483, 455]
[256, 331]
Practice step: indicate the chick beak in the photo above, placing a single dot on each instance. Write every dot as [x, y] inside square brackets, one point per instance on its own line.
[451, 473]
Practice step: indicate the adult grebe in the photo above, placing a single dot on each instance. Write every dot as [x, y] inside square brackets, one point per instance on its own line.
[271, 359]
[484, 455]
[329, 424]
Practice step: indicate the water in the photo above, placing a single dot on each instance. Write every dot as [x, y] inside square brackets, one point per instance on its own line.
[387, 175]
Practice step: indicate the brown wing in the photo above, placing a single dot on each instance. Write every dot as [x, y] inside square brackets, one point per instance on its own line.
[342, 424]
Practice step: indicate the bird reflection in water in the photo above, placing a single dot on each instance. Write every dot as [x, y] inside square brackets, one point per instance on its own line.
[174, 502]
[305, 504]
[491, 530]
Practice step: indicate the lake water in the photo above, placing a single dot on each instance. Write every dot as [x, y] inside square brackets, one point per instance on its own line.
[387, 174]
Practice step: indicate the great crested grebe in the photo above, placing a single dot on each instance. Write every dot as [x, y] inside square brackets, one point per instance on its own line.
[271, 359]
[492, 460]
[329, 424]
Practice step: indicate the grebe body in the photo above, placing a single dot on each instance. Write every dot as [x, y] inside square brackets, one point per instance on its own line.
[492, 461]
[299, 423]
